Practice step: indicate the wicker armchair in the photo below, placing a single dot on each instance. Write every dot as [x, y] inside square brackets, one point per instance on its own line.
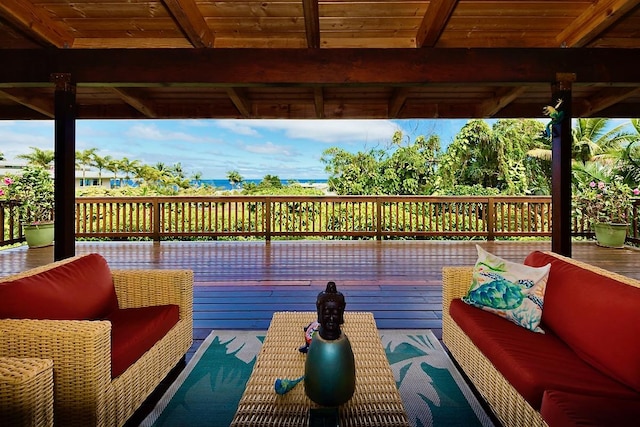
[84, 392]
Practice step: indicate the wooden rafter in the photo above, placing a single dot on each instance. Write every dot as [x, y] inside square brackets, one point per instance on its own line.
[398, 98]
[36, 23]
[240, 101]
[191, 21]
[42, 106]
[311, 22]
[605, 99]
[137, 101]
[318, 100]
[435, 19]
[593, 21]
[502, 98]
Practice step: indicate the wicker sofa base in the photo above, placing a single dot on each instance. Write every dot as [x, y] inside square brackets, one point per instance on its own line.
[505, 402]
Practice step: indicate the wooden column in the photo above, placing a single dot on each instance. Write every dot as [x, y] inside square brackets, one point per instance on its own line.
[561, 142]
[65, 151]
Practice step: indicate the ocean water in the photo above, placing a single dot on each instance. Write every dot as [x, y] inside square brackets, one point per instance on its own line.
[223, 184]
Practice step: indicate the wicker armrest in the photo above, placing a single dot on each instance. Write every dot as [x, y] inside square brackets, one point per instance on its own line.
[81, 355]
[456, 282]
[142, 288]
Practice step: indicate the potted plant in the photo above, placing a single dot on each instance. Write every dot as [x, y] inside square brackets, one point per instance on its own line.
[33, 191]
[607, 207]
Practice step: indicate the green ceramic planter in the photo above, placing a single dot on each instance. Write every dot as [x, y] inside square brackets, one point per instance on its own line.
[330, 371]
[39, 235]
[611, 235]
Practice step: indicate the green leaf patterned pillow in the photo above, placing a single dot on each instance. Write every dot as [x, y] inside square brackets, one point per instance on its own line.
[510, 290]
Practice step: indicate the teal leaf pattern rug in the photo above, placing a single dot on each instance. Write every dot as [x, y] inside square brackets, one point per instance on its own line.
[208, 390]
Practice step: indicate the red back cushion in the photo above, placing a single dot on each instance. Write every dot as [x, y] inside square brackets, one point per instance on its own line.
[597, 316]
[78, 290]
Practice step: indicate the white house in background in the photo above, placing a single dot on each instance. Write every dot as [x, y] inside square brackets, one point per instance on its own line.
[91, 177]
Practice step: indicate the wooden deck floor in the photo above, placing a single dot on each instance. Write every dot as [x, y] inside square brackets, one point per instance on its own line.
[238, 285]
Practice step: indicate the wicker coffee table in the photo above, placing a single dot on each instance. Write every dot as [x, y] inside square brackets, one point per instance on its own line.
[376, 401]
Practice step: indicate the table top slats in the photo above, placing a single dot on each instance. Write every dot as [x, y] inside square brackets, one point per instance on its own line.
[376, 401]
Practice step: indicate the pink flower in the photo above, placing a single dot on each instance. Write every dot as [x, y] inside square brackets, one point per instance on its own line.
[8, 181]
[592, 184]
[636, 191]
[1, 192]
[601, 185]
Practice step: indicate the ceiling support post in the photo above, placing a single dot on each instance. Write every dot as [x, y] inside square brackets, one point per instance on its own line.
[65, 152]
[561, 143]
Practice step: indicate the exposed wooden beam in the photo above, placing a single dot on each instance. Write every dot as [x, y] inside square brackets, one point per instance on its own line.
[35, 22]
[593, 21]
[136, 100]
[605, 99]
[345, 67]
[240, 101]
[435, 19]
[503, 97]
[398, 97]
[42, 106]
[311, 22]
[191, 21]
[318, 100]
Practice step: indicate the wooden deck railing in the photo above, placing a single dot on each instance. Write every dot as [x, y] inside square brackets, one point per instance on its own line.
[267, 217]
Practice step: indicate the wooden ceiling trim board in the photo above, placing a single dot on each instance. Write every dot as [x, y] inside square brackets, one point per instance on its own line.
[136, 100]
[318, 100]
[605, 99]
[398, 98]
[346, 67]
[36, 23]
[240, 101]
[42, 106]
[191, 21]
[594, 21]
[502, 98]
[312, 23]
[434, 21]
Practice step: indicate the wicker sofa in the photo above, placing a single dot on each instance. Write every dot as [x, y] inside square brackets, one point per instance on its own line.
[583, 371]
[102, 371]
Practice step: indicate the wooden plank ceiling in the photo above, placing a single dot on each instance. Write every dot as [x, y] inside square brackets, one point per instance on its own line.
[299, 59]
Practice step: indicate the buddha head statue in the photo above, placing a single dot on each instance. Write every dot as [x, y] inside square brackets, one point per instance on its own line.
[330, 305]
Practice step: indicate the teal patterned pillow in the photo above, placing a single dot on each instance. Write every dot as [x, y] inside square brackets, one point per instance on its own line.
[510, 290]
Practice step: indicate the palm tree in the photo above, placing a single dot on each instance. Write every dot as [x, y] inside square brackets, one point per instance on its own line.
[591, 141]
[128, 167]
[84, 159]
[112, 165]
[101, 163]
[234, 178]
[1, 155]
[39, 157]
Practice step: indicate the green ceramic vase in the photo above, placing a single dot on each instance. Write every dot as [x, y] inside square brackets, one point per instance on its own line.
[39, 235]
[330, 371]
[611, 235]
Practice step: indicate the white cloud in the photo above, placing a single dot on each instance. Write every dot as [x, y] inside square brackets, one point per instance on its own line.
[239, 127]
[153, 133]
[270, 149]
[327, 131]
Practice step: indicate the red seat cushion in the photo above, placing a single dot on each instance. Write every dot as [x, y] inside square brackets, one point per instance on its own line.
[78, 290]
[597, 316]
[562, 409]
[136, 330]
[532, 362]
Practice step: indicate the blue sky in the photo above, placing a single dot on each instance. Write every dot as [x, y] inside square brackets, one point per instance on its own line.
[290, 149]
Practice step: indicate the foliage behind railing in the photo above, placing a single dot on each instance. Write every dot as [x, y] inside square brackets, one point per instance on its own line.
[267, 217]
